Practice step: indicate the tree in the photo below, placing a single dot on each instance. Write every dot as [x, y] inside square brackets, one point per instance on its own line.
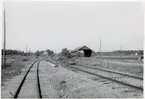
[37, 53]
[65, 52]
[50, 53]
[140, 52]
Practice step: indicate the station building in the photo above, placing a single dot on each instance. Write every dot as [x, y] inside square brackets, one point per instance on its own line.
[82, 51]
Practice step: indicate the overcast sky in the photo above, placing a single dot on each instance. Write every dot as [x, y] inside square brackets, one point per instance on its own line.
[57, 25]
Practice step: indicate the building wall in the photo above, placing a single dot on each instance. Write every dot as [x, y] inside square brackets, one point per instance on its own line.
[74, 54]
[78, 53]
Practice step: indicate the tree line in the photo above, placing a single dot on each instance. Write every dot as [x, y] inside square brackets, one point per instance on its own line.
[129, 52]
[12, 52]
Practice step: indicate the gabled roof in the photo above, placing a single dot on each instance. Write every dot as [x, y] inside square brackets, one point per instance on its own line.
[79, 48]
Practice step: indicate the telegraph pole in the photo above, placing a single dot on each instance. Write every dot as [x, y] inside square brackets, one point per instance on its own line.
[26, 50]
[100, 46]
[4, 54]
[29, 53]
[121, 50]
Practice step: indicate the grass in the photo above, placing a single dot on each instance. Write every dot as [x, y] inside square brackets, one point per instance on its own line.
[127, 65]
[12, 69]
[123, 67]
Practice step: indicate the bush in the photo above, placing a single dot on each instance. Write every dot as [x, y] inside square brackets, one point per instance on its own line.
[50, 53]
[65, 52]
[24, 59]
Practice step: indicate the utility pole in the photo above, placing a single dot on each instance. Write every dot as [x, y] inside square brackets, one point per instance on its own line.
[29, 53]
[100, 46]
[121, 50]
[26, 50]
[4, 54]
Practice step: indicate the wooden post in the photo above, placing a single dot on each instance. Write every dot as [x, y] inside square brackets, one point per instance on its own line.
[100, 46]
[4, 54]
[121, 51]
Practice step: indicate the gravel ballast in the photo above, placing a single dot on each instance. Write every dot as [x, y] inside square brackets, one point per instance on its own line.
[58, 82]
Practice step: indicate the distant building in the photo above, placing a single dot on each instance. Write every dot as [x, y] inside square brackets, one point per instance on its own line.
[82, 51]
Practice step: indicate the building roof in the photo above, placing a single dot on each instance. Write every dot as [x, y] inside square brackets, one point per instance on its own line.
[80, 47]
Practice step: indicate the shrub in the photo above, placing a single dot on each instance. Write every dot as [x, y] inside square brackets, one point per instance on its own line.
[65, 52]
[24, 59]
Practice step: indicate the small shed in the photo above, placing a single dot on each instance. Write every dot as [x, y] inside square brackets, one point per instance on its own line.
[86, 51]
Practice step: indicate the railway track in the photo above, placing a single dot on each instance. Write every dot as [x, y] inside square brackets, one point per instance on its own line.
[112, 71]
[21, 90]
[121, 78]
